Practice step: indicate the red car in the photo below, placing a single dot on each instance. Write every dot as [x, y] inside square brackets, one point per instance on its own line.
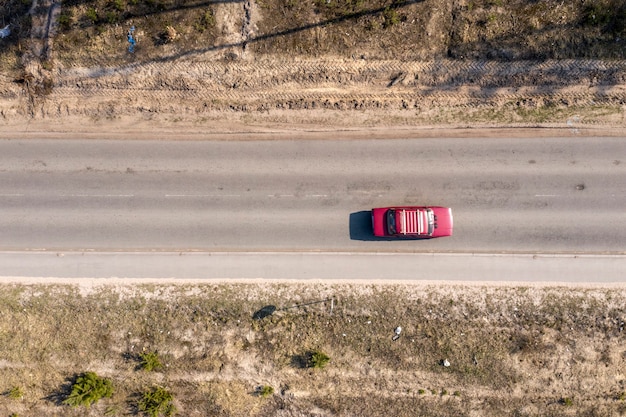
[412, 222]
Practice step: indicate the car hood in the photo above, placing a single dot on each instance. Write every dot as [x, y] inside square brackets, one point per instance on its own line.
[443, 221]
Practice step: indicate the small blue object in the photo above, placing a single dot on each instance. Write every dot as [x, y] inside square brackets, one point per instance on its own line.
[5, 32]
[131, 40]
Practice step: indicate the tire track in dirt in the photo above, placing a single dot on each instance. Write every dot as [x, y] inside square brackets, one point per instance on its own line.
[354, 84]
[434, 73]
[259, 83]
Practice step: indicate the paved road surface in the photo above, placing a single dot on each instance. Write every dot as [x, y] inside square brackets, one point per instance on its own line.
[502, 268]
[535, 195]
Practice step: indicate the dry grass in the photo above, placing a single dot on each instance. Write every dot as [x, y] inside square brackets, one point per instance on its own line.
[513, 351]
[265, 59]
[378, 29]
[93, 32]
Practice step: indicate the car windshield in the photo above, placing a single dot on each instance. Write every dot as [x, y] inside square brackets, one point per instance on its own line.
[431, 222]
[391, 222]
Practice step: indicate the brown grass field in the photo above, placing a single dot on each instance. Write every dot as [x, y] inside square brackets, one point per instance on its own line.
[512, 350]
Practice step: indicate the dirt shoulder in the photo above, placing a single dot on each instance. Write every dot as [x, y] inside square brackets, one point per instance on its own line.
[236, 129]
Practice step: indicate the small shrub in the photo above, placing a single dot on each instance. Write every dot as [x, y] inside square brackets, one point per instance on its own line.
[16, 393]
[150, 361]
[318, 359]
[457, 393]
[118, 5]
[265, 391]
[206, 21]
[112, 17]
[421, 391]
[371, 25]
[597, 15]
[92, 15]
[65, 20]
[566, 401]
[88, 389]
[390, 17]
[157, 402]
[111, 411]
[444, 392]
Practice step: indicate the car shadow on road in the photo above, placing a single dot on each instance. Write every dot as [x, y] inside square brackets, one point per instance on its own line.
[361, 226]
[361, 229]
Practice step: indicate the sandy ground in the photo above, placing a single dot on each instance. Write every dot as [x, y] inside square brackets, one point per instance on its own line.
[232, 127]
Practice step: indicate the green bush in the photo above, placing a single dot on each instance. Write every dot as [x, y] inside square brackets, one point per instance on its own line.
[65, 20]
[150, 361]
[92, 15]
[390, 17]
[88, 389]
[16, 393]
[596, 14]
[118, 5]
[156, 402]
[318, 359]
[266, 391]
[206, 21]
[112, 17]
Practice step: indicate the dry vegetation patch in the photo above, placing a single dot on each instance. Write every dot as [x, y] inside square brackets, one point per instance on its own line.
[462, 350]
[265, 62]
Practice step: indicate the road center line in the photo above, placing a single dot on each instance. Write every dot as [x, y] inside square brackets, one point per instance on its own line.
[201, 195]
[98, 195]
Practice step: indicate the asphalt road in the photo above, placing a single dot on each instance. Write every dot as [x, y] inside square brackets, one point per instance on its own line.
[357, 266]
[299, 209]
[507, 195]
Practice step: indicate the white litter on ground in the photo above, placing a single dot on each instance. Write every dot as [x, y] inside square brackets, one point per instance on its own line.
[5, 32]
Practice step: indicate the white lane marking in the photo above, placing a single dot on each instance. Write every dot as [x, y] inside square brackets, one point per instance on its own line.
[11, 195]
[546, 195]
[98, 195]
[202, 195]
[292, 195]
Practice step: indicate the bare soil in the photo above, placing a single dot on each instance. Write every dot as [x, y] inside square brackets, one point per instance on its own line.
[523, 351]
